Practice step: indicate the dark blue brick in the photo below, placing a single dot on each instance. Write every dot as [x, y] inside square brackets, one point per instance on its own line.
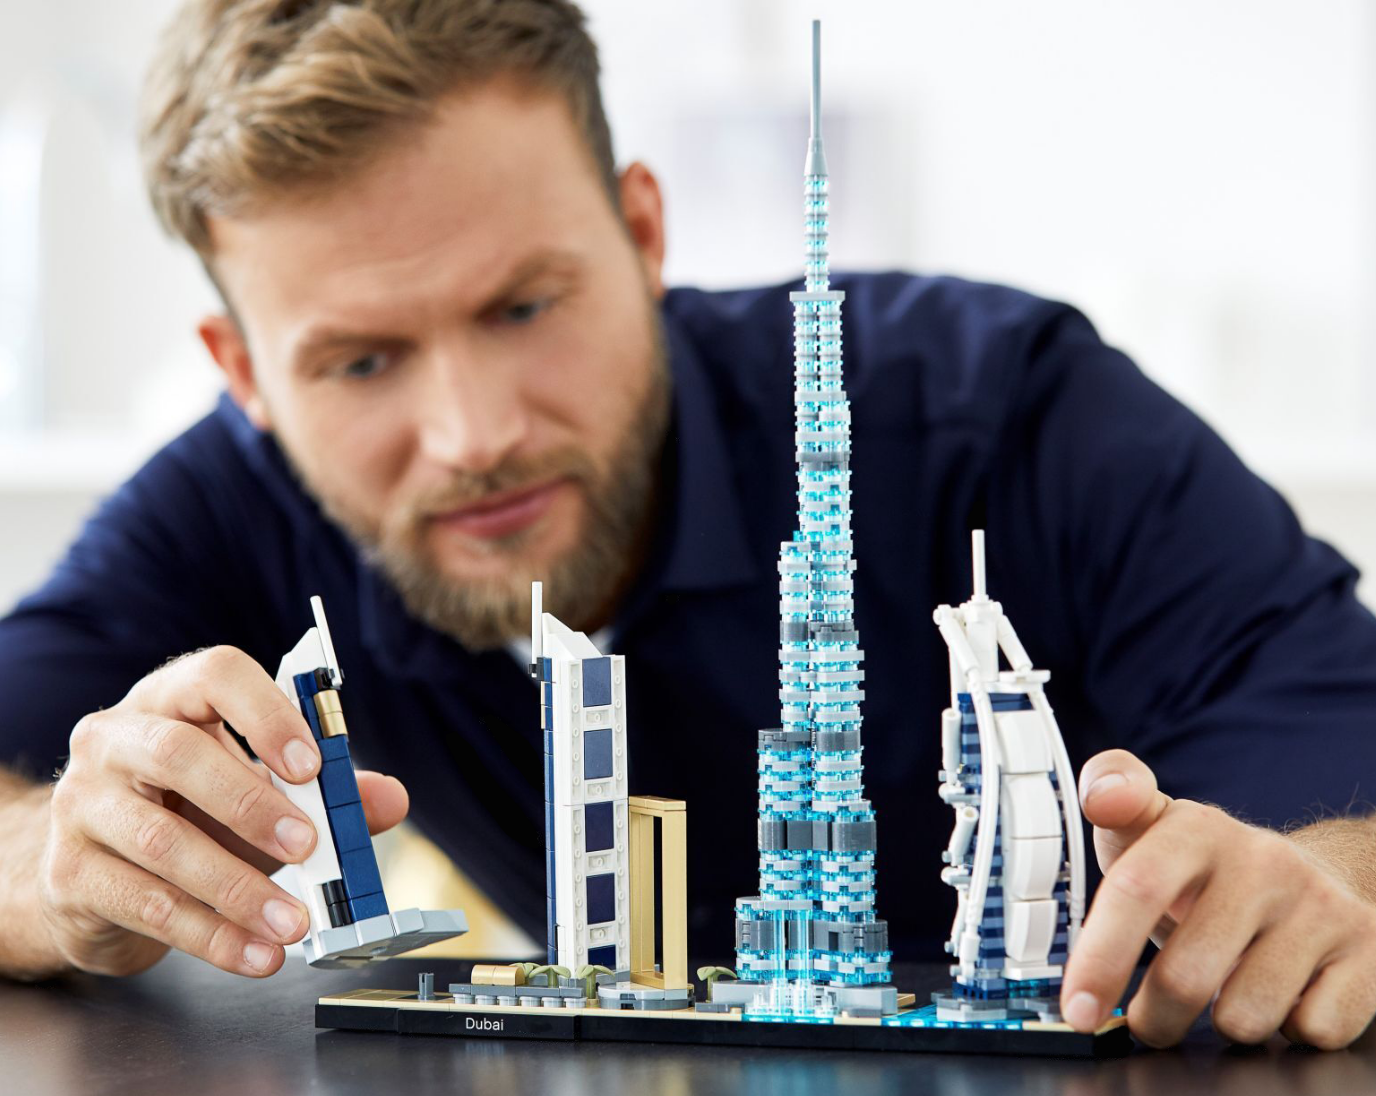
[337, 783]
[312, 718]
[601, 892]
[597, 753]
[332, 749]
[598, 827]
[369, 905]
[597, 682]
[349, 827]
[360, 872]
[603, 957]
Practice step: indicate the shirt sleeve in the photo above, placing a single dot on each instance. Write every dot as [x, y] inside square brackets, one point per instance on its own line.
[147, 579]
[1192, 620]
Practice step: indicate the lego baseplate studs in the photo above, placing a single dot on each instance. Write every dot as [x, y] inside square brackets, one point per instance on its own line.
[812, 954]
[339, 882]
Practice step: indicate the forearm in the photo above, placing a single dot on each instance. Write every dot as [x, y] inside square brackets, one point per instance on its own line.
[1346, 848]
[26, 949]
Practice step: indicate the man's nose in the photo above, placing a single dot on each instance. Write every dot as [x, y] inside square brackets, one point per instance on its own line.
[472, 415]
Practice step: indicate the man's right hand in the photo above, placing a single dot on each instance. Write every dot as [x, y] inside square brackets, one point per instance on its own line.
[162, 831]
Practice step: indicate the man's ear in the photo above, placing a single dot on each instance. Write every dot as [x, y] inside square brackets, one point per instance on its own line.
[642, 208]
[225, 342]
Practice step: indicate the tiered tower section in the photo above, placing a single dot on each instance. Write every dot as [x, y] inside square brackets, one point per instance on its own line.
[814, 919]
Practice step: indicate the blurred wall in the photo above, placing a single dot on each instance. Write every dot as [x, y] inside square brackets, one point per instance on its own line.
[1197, 177]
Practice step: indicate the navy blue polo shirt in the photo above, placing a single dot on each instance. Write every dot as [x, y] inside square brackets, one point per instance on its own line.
[1180, 608]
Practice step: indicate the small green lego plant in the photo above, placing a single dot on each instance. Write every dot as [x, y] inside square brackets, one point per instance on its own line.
[549, 972]
[588, 975]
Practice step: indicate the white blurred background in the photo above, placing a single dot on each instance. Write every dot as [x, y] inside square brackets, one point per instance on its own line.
[1198, 177]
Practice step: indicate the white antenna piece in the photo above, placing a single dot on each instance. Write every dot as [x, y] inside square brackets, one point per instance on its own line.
[323, 627]
[816, 159]
[977, 560]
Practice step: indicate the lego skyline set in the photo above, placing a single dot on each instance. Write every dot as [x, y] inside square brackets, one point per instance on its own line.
[812, 954]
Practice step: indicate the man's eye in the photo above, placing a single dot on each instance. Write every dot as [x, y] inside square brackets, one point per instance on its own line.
[367, 366]
[525, 311]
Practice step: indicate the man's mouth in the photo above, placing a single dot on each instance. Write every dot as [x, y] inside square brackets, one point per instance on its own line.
[502, 514]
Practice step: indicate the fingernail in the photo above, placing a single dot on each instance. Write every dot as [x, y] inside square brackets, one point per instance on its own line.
[292, 834]
[299, 758]
[1104, 783]
[284, 918]
[258, 954]
[1082, 1010]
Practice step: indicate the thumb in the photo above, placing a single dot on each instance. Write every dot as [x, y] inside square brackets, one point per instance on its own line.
[1119, 797]
[385, 801]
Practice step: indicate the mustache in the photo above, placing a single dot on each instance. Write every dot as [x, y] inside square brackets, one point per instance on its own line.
[462, 489]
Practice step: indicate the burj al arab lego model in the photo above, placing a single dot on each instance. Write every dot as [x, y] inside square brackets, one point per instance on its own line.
[1017, 852]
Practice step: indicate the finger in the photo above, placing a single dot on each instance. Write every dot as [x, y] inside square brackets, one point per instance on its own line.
[1119, 797]
[1338, 1006]
[1195, 962]
[226, 838]
[127, 895]
[222, 684]
[231, 742]
[1132, 898]
[1266, 986]
[184, 759]
[171, 848]
[385, 802]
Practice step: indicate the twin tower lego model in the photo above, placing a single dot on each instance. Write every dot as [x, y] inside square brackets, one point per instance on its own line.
[599, 841]
[810, 946]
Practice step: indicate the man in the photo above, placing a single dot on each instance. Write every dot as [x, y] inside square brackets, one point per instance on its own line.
[453, 367]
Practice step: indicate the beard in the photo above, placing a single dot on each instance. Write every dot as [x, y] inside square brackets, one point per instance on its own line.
[486, 613]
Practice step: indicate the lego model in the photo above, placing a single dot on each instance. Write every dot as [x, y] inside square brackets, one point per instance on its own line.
[812, 955]
[599, 842]
[583, 718]
[339, 882]
[1017, 852]
[810, 942]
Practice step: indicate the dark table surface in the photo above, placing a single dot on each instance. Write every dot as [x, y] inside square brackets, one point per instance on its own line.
[184, 1027]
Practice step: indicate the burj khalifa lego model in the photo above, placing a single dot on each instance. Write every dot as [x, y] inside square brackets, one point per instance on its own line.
[810, 942]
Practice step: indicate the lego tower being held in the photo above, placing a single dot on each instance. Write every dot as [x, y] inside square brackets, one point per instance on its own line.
[351, 922]
[1016, 855]
[813, 923]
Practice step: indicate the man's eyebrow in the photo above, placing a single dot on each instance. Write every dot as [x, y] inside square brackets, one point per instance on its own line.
[322, 339]
[549, 260]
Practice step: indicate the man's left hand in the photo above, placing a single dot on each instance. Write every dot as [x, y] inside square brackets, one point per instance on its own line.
[1246, 918]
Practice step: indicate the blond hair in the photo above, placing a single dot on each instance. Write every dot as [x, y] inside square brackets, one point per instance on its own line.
[246, 99]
